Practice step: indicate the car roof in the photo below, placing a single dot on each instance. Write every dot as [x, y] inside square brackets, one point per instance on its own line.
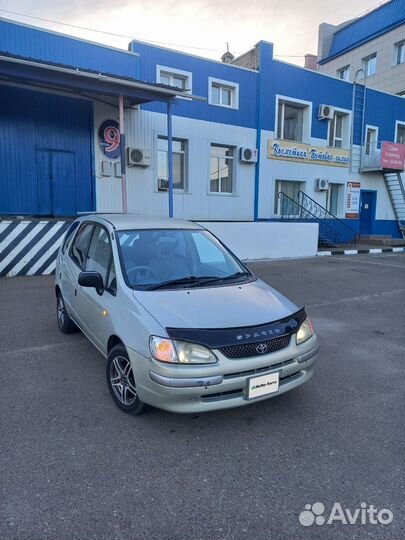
[135, 221]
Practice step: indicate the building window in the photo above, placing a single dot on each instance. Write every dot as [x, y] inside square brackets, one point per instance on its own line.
[344, 73]
[371, 140]
[400, 138]
[400, 52]
[370, 64]
[287, 206]
[223, 93]
[338, 128]
[290, 121]
[179, 164]
[334, 194]
[174, 77]
[221, 172]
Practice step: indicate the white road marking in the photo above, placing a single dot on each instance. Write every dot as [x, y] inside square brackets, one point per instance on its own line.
[352, 260]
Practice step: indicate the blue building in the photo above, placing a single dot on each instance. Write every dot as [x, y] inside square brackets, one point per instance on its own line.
[247, 140]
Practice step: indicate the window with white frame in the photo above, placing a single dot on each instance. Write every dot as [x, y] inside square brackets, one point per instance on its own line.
[286, 204]
[400, 52]
[370, 64]
[344, 73]
[179, 164]
[334, 198]
[338, 130]
[174, 77]
[400, 138]
[221, 169]
[371, 140]
[223, 93]
[290, 120]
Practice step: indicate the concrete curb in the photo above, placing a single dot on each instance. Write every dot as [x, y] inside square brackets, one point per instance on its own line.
[360, 251]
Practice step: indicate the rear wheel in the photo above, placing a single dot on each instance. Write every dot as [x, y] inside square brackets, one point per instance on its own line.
[65, 323]
[121, 381]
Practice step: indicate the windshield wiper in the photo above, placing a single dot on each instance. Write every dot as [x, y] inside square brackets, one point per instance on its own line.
[188, 280]
[194, 280]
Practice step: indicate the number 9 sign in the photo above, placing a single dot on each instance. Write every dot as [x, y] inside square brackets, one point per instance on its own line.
[109, 138]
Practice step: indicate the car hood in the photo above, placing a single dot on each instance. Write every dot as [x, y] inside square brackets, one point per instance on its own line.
[228, 306]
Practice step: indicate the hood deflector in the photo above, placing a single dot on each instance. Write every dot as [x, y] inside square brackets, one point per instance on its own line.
[215, 338]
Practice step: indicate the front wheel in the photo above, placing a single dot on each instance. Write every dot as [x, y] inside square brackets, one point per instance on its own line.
[121, 381]
[65, 323]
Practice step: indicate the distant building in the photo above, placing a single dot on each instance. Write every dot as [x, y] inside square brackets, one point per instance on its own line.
[373, 43]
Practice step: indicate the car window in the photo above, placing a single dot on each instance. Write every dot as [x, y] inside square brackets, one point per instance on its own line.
[154, 256]
[208, 252]
[69, 234]
[100, 253]
[80, 245]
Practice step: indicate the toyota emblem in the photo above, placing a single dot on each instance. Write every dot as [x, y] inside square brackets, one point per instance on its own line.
[261, 348]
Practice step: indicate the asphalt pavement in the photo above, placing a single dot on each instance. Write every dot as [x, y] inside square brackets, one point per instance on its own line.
[73, 466]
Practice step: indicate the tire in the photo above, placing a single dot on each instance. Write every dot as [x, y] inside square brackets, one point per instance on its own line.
[121, 381]
[65, 323]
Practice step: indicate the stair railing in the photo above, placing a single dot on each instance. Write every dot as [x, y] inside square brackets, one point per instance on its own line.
[348, 234]
[290, 209]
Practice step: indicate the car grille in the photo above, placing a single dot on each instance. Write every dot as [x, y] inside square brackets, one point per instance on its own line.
[247, 350]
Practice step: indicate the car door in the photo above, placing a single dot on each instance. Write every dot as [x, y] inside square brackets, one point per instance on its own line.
[95, 308]
[75, 263]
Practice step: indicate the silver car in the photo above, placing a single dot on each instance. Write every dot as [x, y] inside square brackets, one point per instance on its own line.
[184, 325]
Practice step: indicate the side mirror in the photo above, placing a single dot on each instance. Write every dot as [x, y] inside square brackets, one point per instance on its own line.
[92, 279]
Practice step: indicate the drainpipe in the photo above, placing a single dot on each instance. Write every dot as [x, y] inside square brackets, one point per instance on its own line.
[258, 138]
[122, 155]
[170, 156]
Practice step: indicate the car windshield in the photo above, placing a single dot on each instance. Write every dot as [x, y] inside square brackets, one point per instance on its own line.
[175, 258]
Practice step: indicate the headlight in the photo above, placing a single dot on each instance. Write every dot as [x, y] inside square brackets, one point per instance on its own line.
[180, 352]
[305, 332]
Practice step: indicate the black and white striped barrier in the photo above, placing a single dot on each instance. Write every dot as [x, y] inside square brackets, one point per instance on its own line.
[360, 251]
[29, 247]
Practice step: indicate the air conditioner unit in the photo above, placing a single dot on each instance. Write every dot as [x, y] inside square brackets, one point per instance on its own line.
[163, 184]
[326, 112]
[138, 157]
[247, 155]
[321, 184]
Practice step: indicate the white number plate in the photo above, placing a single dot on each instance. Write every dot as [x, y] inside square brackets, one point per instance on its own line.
[263, 385]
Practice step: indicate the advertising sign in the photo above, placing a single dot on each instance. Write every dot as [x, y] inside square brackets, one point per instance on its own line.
[352, 200]
[304, 153]
[109, 138]
[392, 156]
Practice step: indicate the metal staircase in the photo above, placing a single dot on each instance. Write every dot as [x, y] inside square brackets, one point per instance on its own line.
[396, 192]
[332, 230]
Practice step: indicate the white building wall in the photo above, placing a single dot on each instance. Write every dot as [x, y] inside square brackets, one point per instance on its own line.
[142, 129]
[389, 77]
[272, 170]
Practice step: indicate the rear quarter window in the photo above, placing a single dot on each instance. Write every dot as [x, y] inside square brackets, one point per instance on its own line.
[68, 236]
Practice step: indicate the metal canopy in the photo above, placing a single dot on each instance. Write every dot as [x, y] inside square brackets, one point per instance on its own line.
[74, 80]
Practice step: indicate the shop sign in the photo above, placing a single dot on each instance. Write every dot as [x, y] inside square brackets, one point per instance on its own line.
[109, 138]
[304, 153]
[352, 200]
[392, 156]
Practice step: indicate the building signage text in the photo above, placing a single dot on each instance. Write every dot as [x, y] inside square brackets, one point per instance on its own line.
[352, 200]
[109, 138]
[305, 153]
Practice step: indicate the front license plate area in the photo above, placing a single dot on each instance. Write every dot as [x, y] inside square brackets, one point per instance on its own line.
[263, 385]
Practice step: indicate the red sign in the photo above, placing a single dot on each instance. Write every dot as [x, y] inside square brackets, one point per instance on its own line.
[393, 156]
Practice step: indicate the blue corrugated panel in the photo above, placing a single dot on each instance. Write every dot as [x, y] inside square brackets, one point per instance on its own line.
[379, 21]
[44, 46]
[45, 153]
[201, 69]
[383, 110]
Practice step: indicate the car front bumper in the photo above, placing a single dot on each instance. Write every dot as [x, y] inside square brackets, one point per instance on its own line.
[197, 388]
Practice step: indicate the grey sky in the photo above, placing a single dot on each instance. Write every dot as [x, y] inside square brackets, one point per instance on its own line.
[206, 25]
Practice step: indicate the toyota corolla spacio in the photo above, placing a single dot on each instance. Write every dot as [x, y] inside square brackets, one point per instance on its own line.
[184, 325]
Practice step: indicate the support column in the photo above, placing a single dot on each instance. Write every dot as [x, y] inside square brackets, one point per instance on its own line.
[170, 156]
[123, 164]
